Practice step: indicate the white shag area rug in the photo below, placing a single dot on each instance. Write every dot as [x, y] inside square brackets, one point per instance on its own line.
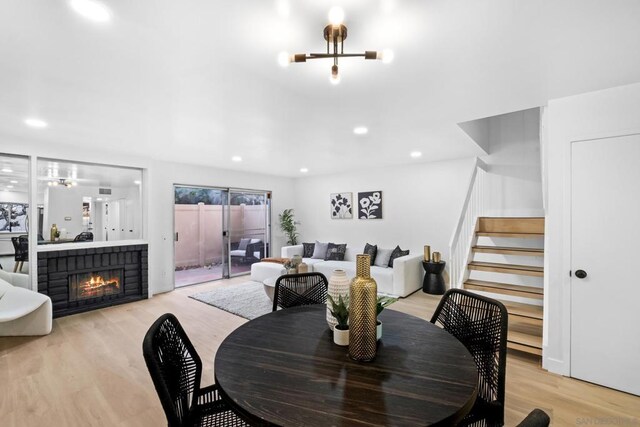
[246, 300]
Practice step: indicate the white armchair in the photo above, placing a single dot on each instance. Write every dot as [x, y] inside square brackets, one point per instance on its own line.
[23, 312]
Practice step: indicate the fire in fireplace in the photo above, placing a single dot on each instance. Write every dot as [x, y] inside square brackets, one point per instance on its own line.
[95, 284]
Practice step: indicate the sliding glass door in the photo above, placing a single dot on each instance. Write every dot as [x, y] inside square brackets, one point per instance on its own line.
[249, 229]
[198, 234]
[218, 232]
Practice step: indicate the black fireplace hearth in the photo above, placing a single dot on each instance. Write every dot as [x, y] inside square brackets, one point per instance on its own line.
[79, 280]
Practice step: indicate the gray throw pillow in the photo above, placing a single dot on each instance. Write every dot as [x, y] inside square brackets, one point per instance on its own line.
[397, 253]
[243, 244]
[320, 250]
[335, 252]
[370, 250]
[307, 250]
[382, 257]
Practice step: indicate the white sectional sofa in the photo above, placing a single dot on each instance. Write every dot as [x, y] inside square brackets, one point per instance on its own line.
[403, 279]
[22, 311]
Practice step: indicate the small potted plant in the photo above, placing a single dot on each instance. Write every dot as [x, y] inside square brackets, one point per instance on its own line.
[383, 302]
[340, 310]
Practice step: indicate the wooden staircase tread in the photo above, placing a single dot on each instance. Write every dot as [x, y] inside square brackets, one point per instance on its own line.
[507, 288]
[524, 310]
[515, 235]
[527, 270]
[506, 250]
[524, 348]
[511, 224]
[530, 340]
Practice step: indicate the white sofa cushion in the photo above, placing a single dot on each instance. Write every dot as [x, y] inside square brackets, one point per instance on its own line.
[260, 271]
[20, 280]
[312, 261]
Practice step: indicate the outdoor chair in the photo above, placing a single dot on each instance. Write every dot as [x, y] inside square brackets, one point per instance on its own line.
[293, 290]
[248, 250]
[175, 369]
[480, 323]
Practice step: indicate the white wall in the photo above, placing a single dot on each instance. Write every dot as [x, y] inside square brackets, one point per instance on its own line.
[514, 178]
[610, 112]
[421, 205]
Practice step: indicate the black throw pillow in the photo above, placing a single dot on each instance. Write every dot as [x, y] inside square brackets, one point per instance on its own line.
[372, 251]
[307, 251]
[397, 253]
[335, 252]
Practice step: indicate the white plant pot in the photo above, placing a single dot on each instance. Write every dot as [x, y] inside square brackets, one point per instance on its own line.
[341, 336]
[379, 330]
[338, 286]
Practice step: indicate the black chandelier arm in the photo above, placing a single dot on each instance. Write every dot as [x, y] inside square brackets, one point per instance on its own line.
[332, 55]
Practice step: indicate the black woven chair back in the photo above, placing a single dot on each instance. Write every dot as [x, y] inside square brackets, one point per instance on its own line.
[293, 290]
[480, 323]
[175, 368]
[85, 236]
[21, 248]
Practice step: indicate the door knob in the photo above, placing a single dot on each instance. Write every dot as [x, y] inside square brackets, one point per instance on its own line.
[581, 274]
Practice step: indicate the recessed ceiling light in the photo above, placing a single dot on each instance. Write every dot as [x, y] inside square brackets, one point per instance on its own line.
[99, 199]
[137, 182]
[236, 158]
[91, 9]
[416, 154]
[7, 170]
[304, 170]
[13, 181]
[35, 123]
[360, 130]
[9, 186]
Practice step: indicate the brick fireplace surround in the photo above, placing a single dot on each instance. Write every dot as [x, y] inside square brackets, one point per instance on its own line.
[55, 267]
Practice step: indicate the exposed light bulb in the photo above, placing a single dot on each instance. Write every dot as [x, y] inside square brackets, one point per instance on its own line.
[336, 16]
[91, 9]
[334, 79]
[386, 55]
[284, 59]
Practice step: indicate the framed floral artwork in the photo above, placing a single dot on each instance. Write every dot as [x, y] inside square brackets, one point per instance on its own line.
[370, 205]
[341, 205]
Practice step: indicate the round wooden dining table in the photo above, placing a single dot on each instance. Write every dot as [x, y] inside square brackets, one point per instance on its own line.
[283, 369]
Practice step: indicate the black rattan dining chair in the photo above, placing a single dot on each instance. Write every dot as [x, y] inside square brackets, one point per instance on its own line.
[293, 290]
[175, 369]
[480, 323]
[21, 251]
[536, 418]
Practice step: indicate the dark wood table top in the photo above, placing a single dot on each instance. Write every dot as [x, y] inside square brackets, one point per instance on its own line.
[284, 369]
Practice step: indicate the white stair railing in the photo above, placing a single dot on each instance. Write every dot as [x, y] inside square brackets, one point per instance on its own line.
[475, 206]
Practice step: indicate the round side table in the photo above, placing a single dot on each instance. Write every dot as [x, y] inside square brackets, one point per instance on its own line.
[433, 282]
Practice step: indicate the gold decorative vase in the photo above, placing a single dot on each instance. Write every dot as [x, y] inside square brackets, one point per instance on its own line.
[363, 296]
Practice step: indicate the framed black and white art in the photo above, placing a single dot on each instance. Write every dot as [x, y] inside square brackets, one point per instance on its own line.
[341, 205]
[370, 205]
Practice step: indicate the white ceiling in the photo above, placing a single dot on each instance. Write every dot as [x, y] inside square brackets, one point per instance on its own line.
[197, 81]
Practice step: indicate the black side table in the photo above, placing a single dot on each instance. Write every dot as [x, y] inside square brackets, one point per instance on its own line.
[433, 281]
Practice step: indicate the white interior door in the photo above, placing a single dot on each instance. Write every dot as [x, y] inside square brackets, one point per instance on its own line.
[605, 244]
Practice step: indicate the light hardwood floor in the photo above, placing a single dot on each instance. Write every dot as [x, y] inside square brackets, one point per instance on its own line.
[90, 372]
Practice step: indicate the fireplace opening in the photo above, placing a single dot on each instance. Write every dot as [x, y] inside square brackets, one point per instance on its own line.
[95, 284]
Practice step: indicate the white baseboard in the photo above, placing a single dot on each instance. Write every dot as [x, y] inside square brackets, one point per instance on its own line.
[555, 366]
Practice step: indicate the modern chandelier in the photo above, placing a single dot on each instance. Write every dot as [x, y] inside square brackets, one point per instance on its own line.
[335, 34]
